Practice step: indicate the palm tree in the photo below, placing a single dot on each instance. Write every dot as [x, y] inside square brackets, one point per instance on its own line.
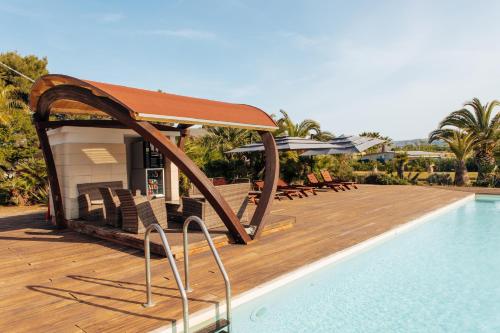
[462, 145]
[302, 129]
[484, 128]
[321, 135]
[213, 145]
[401, 159]
[377, 135]
[226, 138]
[9, 102]
[378, 148]
[28, 182]
[293, 166]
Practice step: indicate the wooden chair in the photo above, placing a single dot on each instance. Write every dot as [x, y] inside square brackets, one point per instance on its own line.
[254, 196]
[112, 211]
[218, 181]
[313, 181]
[236, 195]
[138, 212]
[289, 193]
[329, 179]
[90, 202]
[305, 190]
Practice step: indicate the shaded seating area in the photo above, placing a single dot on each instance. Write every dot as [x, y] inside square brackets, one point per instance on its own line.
[90, 201]
[120, 208]
[91, 153]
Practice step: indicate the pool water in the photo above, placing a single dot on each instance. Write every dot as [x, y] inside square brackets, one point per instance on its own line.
[441, 276]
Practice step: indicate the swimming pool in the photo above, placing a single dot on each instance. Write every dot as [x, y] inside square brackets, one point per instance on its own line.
[441, 276]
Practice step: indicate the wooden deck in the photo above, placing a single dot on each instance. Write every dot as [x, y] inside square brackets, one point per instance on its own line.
[197, 243]
[472, 189]
[62, 281]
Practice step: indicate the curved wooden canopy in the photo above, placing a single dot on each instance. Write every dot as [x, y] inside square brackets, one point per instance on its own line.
[155, 106]
[133, 108]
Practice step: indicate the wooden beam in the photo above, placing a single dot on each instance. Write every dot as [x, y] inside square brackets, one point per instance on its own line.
[197, 177]
[55, 189]
[99, 123]
[153, 135]
[184, 135]
[261, 214]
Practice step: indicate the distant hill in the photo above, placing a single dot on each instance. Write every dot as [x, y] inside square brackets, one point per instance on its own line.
[415, 142]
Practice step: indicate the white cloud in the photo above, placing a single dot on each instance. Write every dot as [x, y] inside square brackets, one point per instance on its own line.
[183, 33]
[110, 17]
[18, 11]
[105, 17]
[401, 82]
[306, 41]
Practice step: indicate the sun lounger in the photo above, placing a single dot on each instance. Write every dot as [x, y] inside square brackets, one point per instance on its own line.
[305, 190]
[313, 181]
[254, 196]
[329, 179]
[289, 193]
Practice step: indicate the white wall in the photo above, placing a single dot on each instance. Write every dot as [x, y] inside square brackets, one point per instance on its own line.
[88, 155]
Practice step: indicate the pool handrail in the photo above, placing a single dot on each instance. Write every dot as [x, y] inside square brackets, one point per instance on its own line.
[171, 260]
[216, 256]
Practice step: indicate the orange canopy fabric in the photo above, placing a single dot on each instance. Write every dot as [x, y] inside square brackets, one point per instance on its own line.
[156, 106]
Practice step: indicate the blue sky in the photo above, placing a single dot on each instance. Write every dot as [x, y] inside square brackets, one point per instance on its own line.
[396, 67]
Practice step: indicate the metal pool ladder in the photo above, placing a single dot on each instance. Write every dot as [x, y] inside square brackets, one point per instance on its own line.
[220, 324]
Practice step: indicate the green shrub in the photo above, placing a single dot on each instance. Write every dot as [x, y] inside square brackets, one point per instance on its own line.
[4, 197]
[293, 168]
[419, 164]
[413, 178]
[471, 165]
[493, 181]
[184, 184]
[27, 183]
[444, 164]
[440, 179]
[360, 179]
[363, 165]
[343, 171]
[339, 166]
[384, 179]
[229, 169]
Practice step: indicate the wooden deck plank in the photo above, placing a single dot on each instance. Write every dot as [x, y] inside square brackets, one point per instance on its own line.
[197, 244]
[62, 281]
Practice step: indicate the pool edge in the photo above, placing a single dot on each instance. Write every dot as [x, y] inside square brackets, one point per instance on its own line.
[206, 315]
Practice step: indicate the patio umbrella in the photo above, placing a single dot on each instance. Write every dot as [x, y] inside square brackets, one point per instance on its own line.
[350, 144]
[285, 143]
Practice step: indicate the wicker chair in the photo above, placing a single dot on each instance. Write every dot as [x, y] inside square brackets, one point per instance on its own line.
[90, 202]
[138, 212]
[236, 195]
[112, 212]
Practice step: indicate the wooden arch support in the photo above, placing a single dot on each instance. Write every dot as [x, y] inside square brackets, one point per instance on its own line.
[168, 148]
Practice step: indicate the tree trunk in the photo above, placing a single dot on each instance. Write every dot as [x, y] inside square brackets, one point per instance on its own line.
[461, 174]
[401, 169]
[486, 165]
